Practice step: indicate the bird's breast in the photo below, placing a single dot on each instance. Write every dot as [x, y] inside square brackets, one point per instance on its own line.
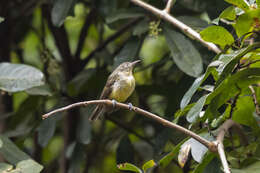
[122, 88]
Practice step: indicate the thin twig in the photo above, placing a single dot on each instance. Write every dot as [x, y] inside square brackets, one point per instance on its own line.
[211, 146]
[111, 38]
[223, 129]
[184, 28]
[255, 100]
[169, 6]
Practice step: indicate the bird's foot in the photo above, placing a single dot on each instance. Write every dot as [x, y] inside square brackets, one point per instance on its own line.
[114, 103]
[130, 106]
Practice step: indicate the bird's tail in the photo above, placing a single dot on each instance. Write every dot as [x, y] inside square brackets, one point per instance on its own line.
[98, 111]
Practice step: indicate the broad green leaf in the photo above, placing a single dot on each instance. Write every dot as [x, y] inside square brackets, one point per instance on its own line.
[206, 160]
[43, 90]
[28, 166]
[217, 35]
[148, 165]
[124, 14]
[182, 112]
[15, 156]
[2, 19]
[60, 11]
[194, 22]
[243, 4]
[84, 126]
[194, 112]
[141, 27]
[184, 54]
[252, 168]
[19, 77]
[128, 167]
[166, 160]
[246, 22]
[258, 3]
[129, 51]
[229, 13]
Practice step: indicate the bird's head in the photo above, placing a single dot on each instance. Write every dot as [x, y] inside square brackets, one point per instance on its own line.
[127, 66]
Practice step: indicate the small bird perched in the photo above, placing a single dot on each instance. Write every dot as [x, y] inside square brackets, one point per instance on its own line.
[119, 86]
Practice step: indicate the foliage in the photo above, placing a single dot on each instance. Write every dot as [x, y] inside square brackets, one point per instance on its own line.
[54, 53]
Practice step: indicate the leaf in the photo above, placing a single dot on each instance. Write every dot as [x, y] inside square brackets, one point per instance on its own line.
[43, 90]
[128, 167]
[84, 126]
[206, 160]
[141, 28]
[194, 112]
[229, 13]
[217, 35]
[196, 23]
[15, 156]
[77, 158]
[129, 51]
[125, 151]
[19, 77]
[124, 14]
[148, 165]
[184, 54]
[243, 4]
[60, 10]
[183, 155]
[246, 22]
[4, 167]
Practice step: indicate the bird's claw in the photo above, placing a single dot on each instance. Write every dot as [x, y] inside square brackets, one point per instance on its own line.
[130, 106]
[114, 103]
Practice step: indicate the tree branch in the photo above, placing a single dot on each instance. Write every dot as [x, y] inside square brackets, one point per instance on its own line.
[211, 146]
[184, 28]
[169, 6]
[223, 129]
[255, 100]
[111, 38]
[84, 32]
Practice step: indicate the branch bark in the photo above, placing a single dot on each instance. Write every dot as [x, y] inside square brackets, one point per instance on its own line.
[211, 146]
[184, 28]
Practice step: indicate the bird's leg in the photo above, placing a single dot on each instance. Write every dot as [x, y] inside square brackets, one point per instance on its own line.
[130, 106]
[114, 103]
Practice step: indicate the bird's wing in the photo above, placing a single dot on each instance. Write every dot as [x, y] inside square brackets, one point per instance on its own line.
[108, 87]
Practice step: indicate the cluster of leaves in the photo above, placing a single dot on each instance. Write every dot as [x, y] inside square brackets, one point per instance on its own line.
[76, 54]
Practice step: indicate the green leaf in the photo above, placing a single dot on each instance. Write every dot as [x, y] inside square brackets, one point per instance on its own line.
[19, 77]
[229, 13]
[124, 14]
[15, 156]
[258, 3]
[217, 35]
[129, 51]
[194, 22]
[194, 112]
[206, 160]
[84, 126]
[243, 4]
[43, 90]
[246, 22]
[128, 167]
[60, 10]
[184, 54]
[141, 27]
[148, 165]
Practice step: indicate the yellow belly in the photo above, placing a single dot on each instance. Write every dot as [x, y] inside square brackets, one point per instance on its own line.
[123, 88]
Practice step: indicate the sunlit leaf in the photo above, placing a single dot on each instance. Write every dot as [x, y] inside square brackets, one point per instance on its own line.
[184, 54]
[229, 13]
[19, 77]
[148, 165]
[217, 35]
[60, 10]
[243, 4]
[183, 155]
[128, 167]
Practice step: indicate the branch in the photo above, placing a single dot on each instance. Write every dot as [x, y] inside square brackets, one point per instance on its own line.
[84, 32]
[211, 146]
[184, 28]
[223, 129]
[169, 6]
[255, 100]
[111, 38]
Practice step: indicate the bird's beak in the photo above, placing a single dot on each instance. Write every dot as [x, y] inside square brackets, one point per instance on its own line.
[135, 62]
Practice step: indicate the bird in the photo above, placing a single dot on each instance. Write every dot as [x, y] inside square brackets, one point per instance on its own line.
[119, 86]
